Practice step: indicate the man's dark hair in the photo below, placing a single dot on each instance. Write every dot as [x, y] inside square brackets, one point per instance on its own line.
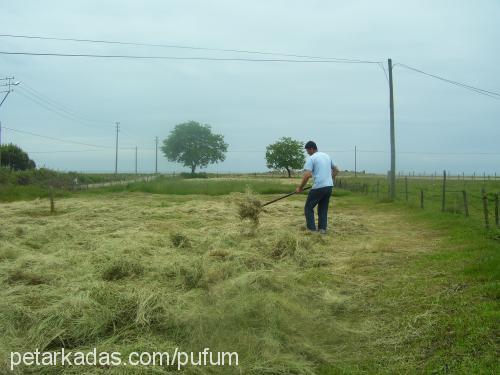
[311, 144]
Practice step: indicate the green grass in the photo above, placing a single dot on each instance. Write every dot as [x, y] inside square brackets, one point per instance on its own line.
[441, 308]
[212, 187]
[12, 193]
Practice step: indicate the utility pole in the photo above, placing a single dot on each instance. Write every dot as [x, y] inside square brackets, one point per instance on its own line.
[9, 83]
[393, 139]
[135, 159]
[355, 162]
[156, 160]
[116, 155]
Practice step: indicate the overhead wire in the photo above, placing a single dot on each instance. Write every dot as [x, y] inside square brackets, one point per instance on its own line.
[57, 105]
[52, 109]
[199, 58]
[491, 94]
[142, 44]
[57, 139]
[61, 151]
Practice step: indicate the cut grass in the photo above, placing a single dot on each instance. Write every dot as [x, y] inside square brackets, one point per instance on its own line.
[388, 291]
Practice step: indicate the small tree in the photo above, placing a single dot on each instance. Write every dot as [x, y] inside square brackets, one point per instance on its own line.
[286, 153]
[15, 158]
[194, 145]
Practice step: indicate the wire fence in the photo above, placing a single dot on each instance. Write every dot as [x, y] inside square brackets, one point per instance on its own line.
[467, 197]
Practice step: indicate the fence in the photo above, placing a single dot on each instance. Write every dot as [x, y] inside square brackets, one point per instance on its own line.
[468, 197]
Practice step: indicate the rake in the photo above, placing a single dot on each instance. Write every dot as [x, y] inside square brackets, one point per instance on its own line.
[283, 197]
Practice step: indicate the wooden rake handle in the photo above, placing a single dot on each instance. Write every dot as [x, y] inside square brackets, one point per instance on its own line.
[284, 196]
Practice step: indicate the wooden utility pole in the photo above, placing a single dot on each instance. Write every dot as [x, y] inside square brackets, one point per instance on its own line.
[135, 159]
[393, 139]
[116, 153]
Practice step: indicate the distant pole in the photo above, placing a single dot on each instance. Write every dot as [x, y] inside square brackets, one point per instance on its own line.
[9, 83]
[116, 154]
[355, 162]
[393, 139]
[156, 156]
[135, 159]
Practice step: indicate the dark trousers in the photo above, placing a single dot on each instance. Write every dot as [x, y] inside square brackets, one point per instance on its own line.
[317, 197]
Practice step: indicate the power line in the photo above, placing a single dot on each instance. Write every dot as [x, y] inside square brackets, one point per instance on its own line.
[491, 94]
[57, 105]
[146, 57]
[186, 47]
[61, 151]
[56, 139]
[52, 109]
[385, 72]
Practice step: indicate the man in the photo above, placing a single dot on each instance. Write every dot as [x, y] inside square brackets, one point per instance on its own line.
[320, 167]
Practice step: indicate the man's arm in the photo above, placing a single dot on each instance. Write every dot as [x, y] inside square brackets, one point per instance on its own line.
[307, 176]
[335, 171]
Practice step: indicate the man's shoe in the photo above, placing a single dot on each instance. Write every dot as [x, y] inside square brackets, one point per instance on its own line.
[322, 231]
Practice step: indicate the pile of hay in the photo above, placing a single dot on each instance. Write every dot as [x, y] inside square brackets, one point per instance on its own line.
[249, 208]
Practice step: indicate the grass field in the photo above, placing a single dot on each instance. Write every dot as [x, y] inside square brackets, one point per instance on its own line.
[142, 267]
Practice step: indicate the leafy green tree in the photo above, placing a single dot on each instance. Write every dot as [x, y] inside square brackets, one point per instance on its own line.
[286, 153]
[15, 158]
[194, 145]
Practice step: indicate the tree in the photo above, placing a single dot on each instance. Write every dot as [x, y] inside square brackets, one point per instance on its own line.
[15, 158]
[286, 153]
[194, 145]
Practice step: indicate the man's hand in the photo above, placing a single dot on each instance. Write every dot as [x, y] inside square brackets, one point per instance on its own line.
[307, 176]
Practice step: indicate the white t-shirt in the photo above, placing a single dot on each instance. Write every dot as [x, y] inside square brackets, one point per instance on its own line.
[320, 164]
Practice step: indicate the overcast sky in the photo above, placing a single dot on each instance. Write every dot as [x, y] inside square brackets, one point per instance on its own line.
[340, 106]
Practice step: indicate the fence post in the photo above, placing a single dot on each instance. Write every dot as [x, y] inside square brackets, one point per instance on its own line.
[466, 203]
[485, 209]
[51, 196]
[422, 198]
[496, 210]
[378, 189]
[443, 201]
[406, 188]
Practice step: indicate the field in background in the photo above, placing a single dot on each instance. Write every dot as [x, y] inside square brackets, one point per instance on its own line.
[388, 290]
